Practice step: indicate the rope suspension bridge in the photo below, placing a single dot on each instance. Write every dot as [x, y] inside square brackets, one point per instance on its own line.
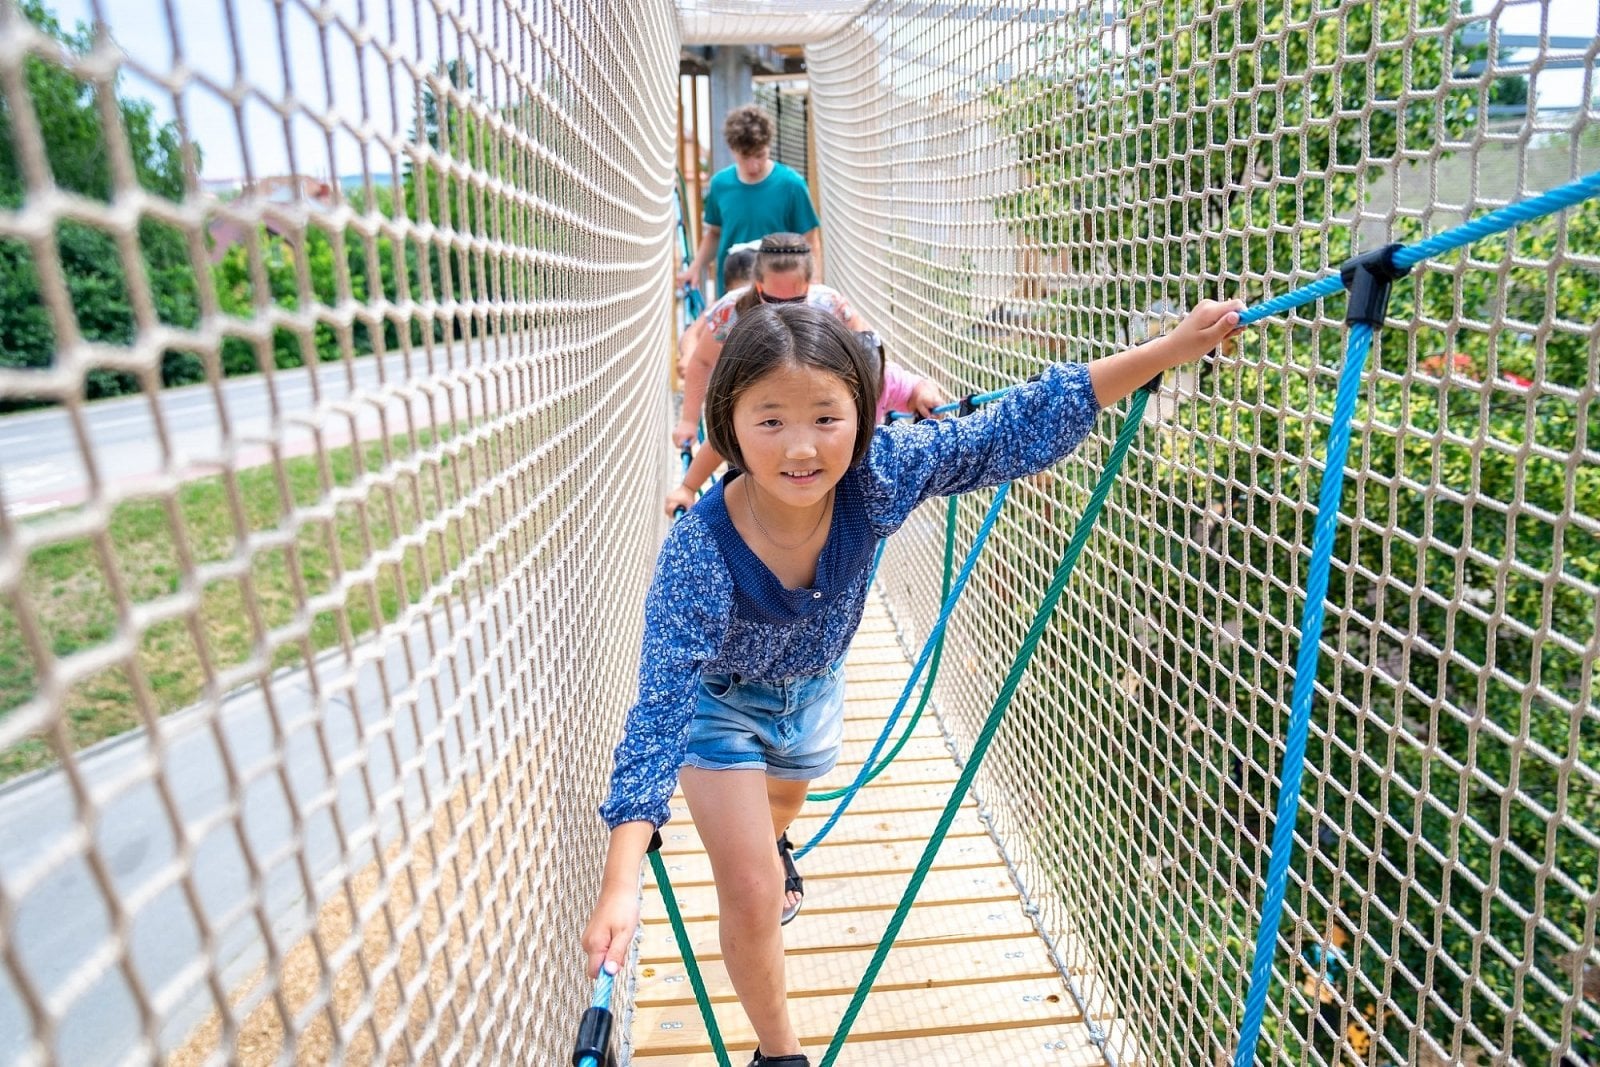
[1265, 729]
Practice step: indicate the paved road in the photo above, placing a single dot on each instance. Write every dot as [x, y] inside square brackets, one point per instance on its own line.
[62, 919]
[43, 464]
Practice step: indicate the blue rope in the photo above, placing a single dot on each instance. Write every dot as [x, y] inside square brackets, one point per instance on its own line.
[928, 645]
[1558, 199]
[603, 987]
[1358, 345]
[877, 558]
[1530, 210]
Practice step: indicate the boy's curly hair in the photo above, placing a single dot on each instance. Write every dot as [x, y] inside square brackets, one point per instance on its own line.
[747, 130]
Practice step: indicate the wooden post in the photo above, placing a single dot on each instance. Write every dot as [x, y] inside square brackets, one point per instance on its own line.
[697, 182]
[811, 156]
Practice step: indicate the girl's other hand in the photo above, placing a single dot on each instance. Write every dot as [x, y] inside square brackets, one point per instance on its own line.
[680, 497]
[610, 930]
[1208, 325]
[684, 433]
[927, 396]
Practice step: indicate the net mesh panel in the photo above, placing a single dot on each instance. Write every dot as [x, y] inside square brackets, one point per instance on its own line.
[765, 22]
[1009, 184]
[394, 591]
[786, 104]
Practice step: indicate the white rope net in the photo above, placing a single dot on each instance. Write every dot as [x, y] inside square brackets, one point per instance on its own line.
[364, 623]
[392, 582]
[1009, 184]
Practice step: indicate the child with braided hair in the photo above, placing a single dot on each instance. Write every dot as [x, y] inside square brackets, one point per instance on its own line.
[781, 275]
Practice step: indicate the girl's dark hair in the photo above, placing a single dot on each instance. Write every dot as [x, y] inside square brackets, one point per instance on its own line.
[738, 266]
[779, 253]
[772, 336]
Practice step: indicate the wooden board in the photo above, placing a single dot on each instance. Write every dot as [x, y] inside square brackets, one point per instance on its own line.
[1048, 1045]
[836, 973]
[681, 835]
[832, 859]
[980, 1008]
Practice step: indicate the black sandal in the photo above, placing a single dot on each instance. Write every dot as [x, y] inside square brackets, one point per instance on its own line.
[799, 1059]
[792, 883]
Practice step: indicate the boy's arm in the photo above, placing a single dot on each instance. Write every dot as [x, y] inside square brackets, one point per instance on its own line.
[710, 237]
[706, 460]
[695, 378]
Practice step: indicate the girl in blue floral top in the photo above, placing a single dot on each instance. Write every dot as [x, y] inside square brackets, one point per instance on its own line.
[760, 587]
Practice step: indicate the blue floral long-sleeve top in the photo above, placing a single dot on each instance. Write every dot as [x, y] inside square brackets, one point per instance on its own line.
[714, 607]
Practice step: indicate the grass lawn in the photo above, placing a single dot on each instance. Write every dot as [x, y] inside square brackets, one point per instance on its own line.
[70, 586]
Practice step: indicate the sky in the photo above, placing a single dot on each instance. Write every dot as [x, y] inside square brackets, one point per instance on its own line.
[225, 44]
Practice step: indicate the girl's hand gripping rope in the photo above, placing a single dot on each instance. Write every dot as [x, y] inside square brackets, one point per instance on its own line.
[1204, 328]
[611, 927]
[681, 499]
[685, 433]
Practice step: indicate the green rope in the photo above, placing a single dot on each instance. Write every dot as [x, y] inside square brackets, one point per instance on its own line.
[933, 666]
[687, 950]
[1080, 536]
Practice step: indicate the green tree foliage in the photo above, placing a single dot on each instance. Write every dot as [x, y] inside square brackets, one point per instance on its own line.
[68, 118]
[477, 177]
[1227, 149]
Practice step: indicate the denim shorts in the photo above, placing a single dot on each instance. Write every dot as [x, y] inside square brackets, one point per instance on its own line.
[791, 729]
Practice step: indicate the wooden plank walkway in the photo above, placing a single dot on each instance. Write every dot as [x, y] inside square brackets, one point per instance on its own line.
[969, 980]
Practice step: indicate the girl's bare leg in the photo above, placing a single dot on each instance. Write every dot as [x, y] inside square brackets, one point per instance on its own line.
[785, 799]
[749, 880]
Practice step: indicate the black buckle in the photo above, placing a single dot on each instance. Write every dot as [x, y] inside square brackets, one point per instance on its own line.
[655, 843]
[968, 404]
[1368, 278]
[1153, 386]
[594, 1039]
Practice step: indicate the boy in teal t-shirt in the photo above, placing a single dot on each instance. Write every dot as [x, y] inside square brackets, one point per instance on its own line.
[752, 198]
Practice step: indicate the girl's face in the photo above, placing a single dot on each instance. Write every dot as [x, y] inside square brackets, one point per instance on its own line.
[797, 429]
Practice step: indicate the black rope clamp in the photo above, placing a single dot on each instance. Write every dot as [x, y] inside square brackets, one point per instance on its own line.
[594, 1039]
[1153, 386]
[655, 843]
[969, 404]
[1367, 279]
